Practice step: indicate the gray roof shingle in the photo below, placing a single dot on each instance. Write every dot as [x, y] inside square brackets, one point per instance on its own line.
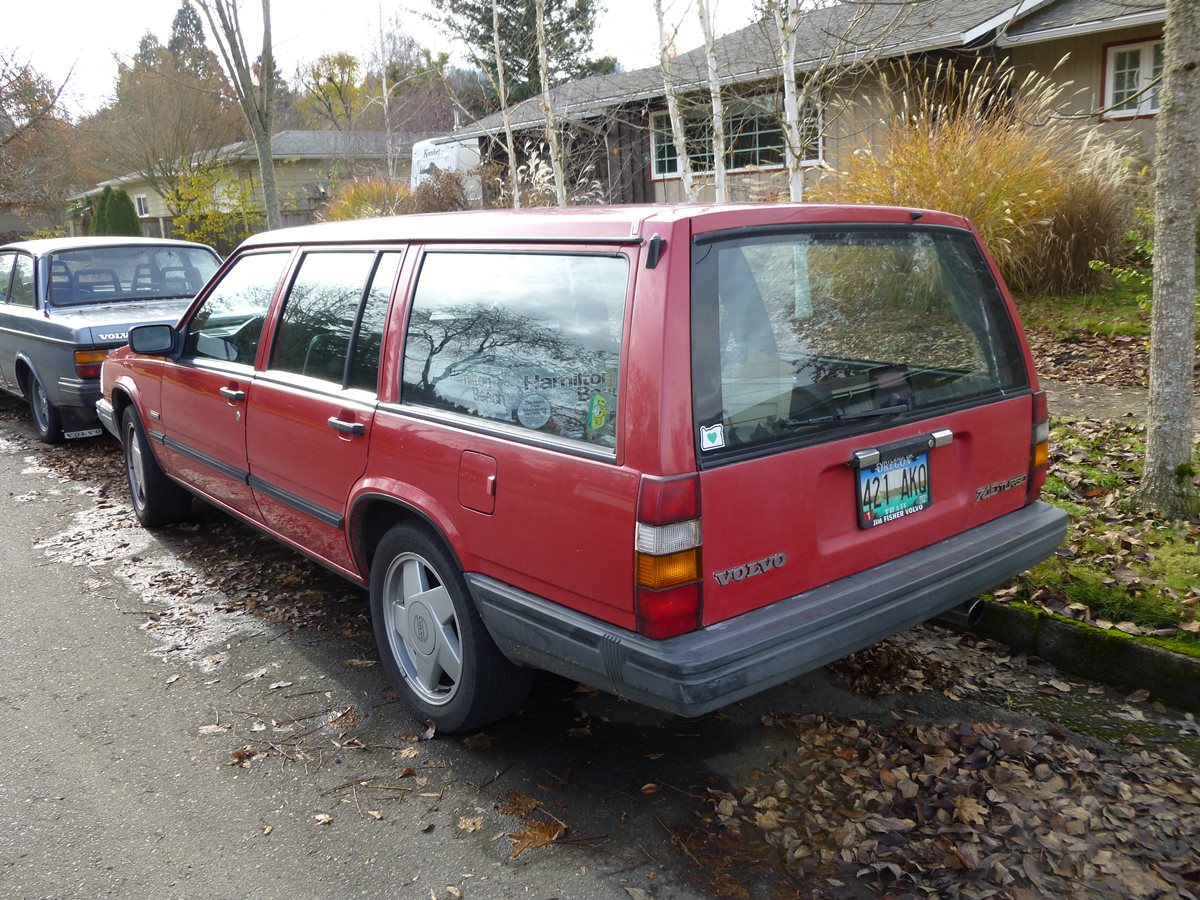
[847, 30]
[1068, 13]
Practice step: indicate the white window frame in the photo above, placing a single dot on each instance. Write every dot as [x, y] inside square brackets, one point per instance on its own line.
[660, 124]
[142, 204]
[1147, 102]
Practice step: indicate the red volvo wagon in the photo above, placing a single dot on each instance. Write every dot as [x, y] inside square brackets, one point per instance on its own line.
[680, 454]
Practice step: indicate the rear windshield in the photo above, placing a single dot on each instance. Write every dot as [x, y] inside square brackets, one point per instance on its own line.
[112, 274]
[801, 335]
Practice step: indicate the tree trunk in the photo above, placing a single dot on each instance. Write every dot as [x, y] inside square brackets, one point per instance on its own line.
[787, 24]
[718, 108]
[1167, 484]
[256, 100]
[678, 132]
[502, 89]
[552, 133]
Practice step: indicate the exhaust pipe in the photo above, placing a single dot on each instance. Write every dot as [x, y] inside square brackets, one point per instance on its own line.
[965, 615]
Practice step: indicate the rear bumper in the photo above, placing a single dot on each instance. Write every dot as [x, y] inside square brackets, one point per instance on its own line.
[108, 418]
[701, 671]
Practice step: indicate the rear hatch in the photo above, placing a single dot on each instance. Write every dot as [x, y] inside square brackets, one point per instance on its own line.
[860, 392]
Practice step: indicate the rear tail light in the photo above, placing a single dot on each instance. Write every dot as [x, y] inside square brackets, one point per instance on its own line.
[1039, 451]
[87, 362]
[667, 550]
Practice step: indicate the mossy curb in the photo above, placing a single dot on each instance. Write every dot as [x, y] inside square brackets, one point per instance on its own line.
[1108, 656]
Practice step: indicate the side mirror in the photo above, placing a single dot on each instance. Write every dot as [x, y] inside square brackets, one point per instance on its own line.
[156, 340]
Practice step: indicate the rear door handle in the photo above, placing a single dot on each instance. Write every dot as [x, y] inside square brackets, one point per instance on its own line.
[346, 427]
[233, 394]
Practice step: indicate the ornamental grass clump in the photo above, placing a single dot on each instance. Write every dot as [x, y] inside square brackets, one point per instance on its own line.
[1046, 191]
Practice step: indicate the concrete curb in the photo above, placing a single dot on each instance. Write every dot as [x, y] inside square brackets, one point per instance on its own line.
[1111, 657]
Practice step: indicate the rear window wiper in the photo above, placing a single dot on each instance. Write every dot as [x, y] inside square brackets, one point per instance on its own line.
[894, 410]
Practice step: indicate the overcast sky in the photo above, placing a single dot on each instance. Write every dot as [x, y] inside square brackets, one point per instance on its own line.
[56, 35]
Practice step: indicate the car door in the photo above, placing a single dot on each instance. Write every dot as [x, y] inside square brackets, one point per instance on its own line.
[8, 361]
[201, 419]
[313, 405]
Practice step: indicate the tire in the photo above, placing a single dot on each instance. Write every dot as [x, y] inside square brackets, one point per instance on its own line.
[47, 421]
[156, 499]
[433, 644]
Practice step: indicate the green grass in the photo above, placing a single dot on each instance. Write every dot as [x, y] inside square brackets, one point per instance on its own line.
[1123, 565]
[1112, 312]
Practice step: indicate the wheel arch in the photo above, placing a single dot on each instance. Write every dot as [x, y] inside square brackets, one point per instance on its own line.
[375, 514]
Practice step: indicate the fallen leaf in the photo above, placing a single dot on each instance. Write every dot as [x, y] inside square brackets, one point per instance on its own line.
[279, 684]
[454, 892]
[214, 729]
[172, 679]
[374, 814]
[268, 829]
[323, 818]
[650, 788]
[470, 824]
[359, 663]
[518, 804]
[537, 833]
[410, 753]
[969, 811]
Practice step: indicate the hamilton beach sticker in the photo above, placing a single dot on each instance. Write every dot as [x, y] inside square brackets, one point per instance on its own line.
[712, 437]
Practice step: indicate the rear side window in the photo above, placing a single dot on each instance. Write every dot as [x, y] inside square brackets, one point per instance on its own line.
[6, 267]
[529, 339]
[333, 294]
[802, 334]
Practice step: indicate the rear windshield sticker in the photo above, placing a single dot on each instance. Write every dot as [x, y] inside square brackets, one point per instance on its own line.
[712, 437]
[533, 411]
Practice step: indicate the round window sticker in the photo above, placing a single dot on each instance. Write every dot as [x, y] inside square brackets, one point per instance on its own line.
[534, 411]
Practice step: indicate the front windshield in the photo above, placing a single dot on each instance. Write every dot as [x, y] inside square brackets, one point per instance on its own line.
[135, 272]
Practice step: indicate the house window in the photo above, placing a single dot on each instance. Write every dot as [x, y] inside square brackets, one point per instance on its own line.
[143, 207]
[1132, 69]
[753, 136]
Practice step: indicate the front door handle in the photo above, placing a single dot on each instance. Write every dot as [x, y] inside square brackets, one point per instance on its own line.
[346, 427]
[233, 394]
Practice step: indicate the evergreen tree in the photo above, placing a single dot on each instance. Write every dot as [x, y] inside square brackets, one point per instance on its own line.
[100, 217]
[569, 27]
[186, 44]
[122, 218]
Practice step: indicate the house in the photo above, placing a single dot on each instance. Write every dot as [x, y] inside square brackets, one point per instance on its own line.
[307, 163]
[619, 132]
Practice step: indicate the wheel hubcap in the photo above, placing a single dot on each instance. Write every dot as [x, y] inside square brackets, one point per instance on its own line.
[41, 405]
[423, 628]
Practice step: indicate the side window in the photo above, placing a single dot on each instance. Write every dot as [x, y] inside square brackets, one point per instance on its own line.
[364, 365]
[229, 323]
[318, 320]
[21, 292]
[531, 339]
[6, 267]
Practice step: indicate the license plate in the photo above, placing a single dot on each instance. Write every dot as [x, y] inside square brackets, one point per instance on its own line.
[86, 433]
[892, 490]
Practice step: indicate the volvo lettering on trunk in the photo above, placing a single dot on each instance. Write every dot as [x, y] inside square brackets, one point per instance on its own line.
[749, 570]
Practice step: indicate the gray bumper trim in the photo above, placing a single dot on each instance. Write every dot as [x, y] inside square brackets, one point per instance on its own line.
[701, 671]
[108, 418]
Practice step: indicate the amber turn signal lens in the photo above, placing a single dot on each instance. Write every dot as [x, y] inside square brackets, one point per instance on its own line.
[659, 572]
[87, 362]
[1041, 455]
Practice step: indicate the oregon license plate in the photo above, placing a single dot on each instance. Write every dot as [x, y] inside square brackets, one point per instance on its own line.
[892, 490]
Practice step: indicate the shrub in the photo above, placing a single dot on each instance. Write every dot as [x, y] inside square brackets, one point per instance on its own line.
[215, 207]
[1047, 193]
[364, 198]
[99, 223]
[536, 179]
[121, 217]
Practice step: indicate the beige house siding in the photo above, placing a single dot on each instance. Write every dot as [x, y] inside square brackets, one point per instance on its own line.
[1085, 69]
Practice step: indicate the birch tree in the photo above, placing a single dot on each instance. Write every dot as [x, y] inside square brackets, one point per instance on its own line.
[255, 97]
[678, 131]
[510, 145]
[718, 107]
[553, 138]
[1167, 483]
